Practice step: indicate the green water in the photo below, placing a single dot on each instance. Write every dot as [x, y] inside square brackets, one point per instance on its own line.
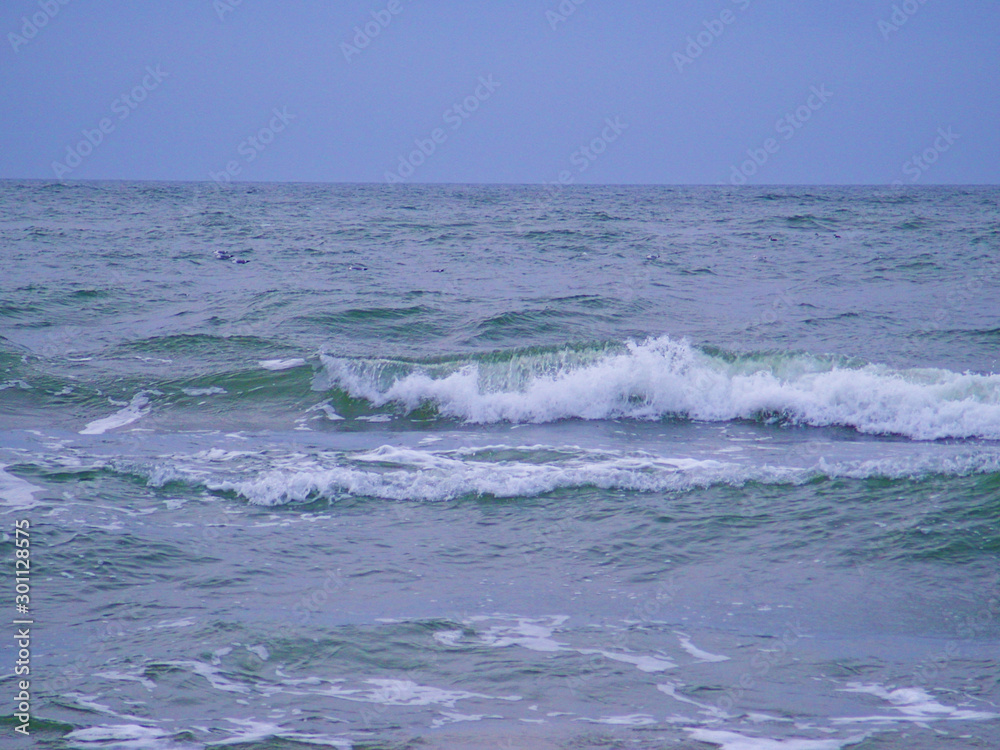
[502, 467]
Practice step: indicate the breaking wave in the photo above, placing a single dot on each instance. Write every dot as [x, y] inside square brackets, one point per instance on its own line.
[663, 378]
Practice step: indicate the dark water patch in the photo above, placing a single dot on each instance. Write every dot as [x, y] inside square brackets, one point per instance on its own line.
[604, 216]
[527, 323]
[108, 561]
[545, 234]
[44, 232]
[46, 732]
[366, 314]
[982, 335]
[404, 325]
[583, 300]
[916, 223]
[218, 219]
[204, 345]
[86, 294]
[9, 310]
[808, 221]
[850, 317]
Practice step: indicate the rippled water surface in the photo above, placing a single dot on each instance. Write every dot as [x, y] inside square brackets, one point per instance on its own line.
[503, 467]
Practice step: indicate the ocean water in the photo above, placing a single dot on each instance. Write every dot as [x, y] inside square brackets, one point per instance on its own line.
[502, 467]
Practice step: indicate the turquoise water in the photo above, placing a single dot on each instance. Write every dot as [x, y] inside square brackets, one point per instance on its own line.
[511, 467]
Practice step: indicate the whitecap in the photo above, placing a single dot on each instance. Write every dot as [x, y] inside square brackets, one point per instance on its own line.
[661, 378]
[696, 652]
[281, 364]
[16, 492]
[137, 408]
[913, 704]
[734, 741]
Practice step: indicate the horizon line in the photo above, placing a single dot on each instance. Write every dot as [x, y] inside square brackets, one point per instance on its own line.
[560, 186]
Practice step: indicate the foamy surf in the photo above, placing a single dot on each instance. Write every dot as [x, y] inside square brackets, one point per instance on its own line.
[648, 542]
[135, 410]
[663, 378]
[16, 492]
[414, 474]
[437, 478]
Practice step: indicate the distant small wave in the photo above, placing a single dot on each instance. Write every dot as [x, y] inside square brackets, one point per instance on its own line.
[408, 474]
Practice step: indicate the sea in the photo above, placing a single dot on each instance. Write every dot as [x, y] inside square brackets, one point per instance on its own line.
[410, 467]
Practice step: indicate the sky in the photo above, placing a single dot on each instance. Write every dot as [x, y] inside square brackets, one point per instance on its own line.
[505, 91]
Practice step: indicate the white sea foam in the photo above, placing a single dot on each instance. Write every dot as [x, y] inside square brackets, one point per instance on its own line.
[631, 720]
[89, 703]
[536, 635]
[15, 384]
[210, 391]
[452, 717]
[640, 661]
[670, 688]
[281, 364]
[132, 733]
[183, 623]
[408, 693]
[251, 731]
[449, 638]
[327, 410]
[260, 652]
[422, 474]
[532, 634]
[393, 473]
[210, 673]
[734, 741]
[16, 492]
[662, 377]
[696, 652]
[429, 476]
[137, 408]
[913, 704]
[125, 677]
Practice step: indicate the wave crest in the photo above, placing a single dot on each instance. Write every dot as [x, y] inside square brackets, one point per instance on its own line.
[663, 378]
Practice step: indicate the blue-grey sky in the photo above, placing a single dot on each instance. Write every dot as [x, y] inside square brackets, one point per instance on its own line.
[514, 91]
